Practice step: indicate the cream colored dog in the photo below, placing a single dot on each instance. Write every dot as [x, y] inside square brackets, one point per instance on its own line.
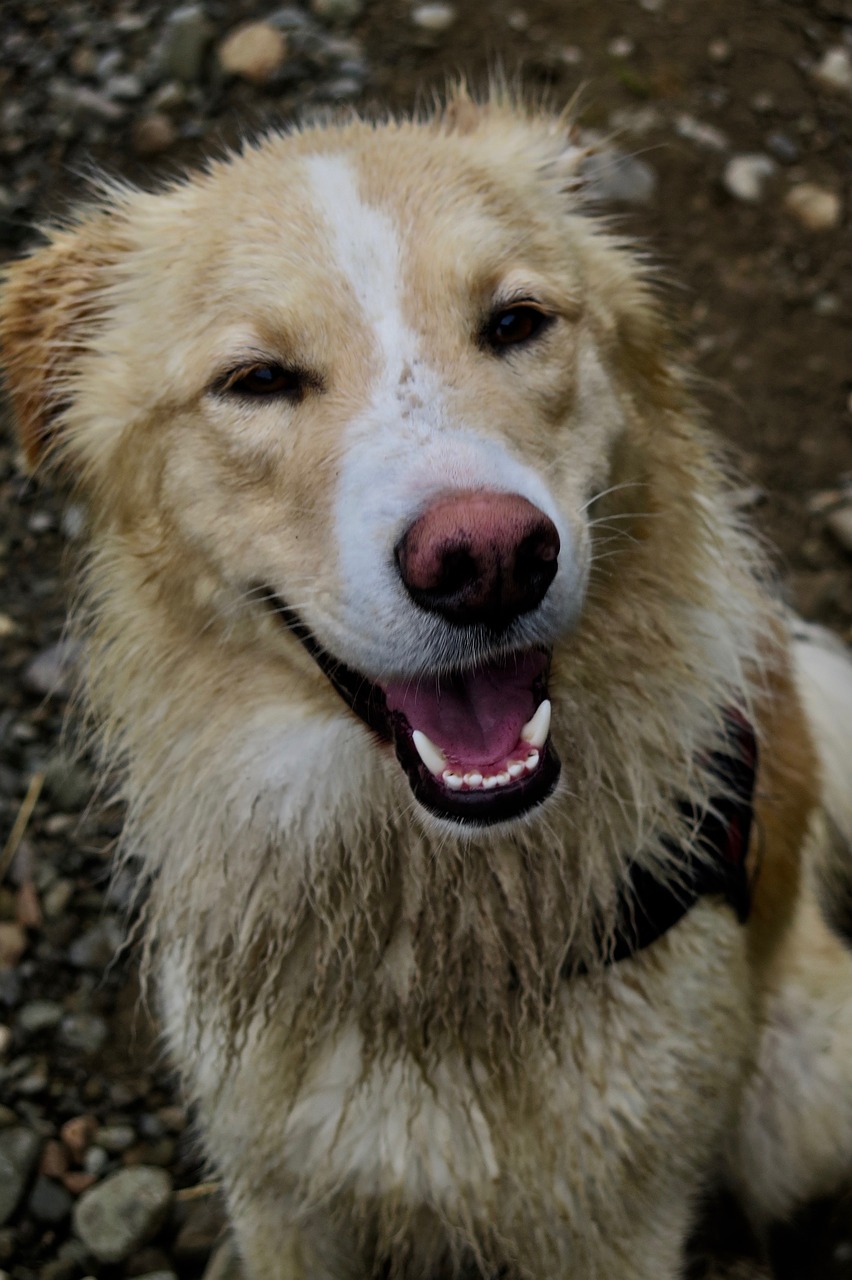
[440, 669]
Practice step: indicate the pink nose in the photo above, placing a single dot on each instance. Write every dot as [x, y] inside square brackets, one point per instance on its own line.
[479, 557]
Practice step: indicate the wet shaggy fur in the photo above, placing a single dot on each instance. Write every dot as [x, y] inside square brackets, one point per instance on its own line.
[408, 1053]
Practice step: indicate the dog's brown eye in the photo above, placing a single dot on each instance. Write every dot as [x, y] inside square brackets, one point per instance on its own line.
[514, 326]
[265, 380]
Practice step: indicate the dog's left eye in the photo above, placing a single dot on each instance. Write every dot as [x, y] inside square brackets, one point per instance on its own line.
[264, 380]
[514, 326]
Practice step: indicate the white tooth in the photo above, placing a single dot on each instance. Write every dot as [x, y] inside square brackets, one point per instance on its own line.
[505, 776]
[452, 780]
[515, 768]
[531, 761]
[473, 780]
[488, 783]
[432, 756]
[535, 731]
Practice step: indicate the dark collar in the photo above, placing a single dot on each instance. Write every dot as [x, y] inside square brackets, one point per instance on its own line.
[648, 907]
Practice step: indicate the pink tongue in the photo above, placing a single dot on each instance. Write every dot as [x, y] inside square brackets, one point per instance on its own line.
[475, 717]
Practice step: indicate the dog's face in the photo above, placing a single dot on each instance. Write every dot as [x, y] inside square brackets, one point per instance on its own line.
[363, 383]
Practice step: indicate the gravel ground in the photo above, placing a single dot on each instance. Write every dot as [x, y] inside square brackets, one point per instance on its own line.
[732, 158]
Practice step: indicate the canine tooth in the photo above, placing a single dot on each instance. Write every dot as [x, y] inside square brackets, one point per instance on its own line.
[452, 780]
[531, 761]
[488, 783]
[432, 756]
[473, 780]
[505, 776]
[515, 768]
[535, 731]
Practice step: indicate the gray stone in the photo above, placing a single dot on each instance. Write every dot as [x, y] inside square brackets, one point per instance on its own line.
[186, 36]
[705, 135]
[433, 17]
[116, 1138]
[38, 1015]
[68, 781]
[745, 176]
[338, 10]
[123, 1212]
[85, 1032]
[49, 1202]
[95, 1161]
[19, 1151]
[52, 672]
[624, 179]
[834, 71]
[814, 207]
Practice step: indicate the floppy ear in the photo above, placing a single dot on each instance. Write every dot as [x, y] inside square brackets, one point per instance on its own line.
[49, 304]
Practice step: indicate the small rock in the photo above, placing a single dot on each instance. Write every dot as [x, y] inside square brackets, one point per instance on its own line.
[13, 943]
[95, 1161]
[518, 20]
[97, 946]
[614, 176]
[127, 88]
[826, 304]
[816, 208]
[745, 176]
[49, 1201]
[337, 10]
[620, 47]
[123, 1212]
[153, 134]
[8, 626]
[85, 1032]
[839, 525]
[185, 38]
[54, 1159]
[7, 1117]
[5, 1039]
[53, 671]
[40, 522]
[762, 102]
[168, 96]
[158, 1275]
[19, 1152]
[719, 50]
[835, 69]
[76, 1181]
[254, 52]
[204, 1225]
[68, 781]
[173, 1118]
[78, 1134]
[84, 103]
[706, 135]
[433, 17]
[56, 898]
[39, 1015]
[116, 1138]
[782, 146]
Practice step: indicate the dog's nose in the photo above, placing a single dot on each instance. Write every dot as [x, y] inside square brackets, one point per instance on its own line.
[479, 557]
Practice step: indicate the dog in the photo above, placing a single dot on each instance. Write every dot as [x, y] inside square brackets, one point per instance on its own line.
[485, 798]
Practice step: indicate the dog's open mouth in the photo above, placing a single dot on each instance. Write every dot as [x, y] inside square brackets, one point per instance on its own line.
[475, 745]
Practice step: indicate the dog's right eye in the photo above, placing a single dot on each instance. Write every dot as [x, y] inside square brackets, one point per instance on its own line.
[264, 380]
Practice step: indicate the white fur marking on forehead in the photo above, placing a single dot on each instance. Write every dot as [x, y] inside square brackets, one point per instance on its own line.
[366, 242]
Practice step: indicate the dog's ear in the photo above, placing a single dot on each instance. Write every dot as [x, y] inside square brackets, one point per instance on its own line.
[50, 304]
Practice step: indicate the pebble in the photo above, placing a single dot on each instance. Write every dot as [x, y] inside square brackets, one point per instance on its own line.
[186, 35]
[83, 102]
[745, 176]
[13, 943]
[839, 525]
[706, 135]
[782, 146]
[54, 1159]
[95, 1161]
[116, 1138]
[153, 134]
[127, 88]
[19, 1152]
[85, 1032]
[49, 1202]
[814, 207]
[834, 71]
[56, 898]
[254, 52]
[225, 1264]
[8, 626]
[620, 47]
[719, 51]
[52, 671]
[433, 17]
[624, 179]
[68, 781]
[78, 1133]
[5, 1039]
[123, 1212]
[38, 1015]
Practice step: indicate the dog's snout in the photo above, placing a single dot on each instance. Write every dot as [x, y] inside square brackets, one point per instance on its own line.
[479, 557]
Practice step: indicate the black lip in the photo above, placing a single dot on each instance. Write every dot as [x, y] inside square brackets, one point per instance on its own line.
[367, 700]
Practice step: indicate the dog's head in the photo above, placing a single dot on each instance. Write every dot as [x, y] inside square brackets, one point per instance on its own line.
[359, 392]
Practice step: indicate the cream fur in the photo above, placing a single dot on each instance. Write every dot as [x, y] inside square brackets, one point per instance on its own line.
[366, 1002]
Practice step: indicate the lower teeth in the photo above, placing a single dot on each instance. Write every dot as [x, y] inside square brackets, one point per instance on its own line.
[475, 781]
